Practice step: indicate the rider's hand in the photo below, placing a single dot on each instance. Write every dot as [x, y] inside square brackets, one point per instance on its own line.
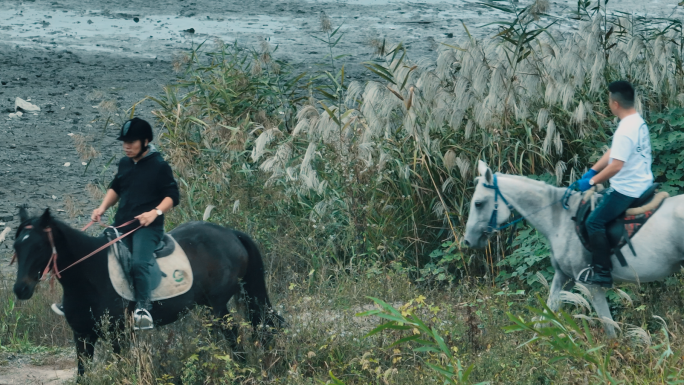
[583, 184]
[97, 214]
[147, 218]
[589, 174]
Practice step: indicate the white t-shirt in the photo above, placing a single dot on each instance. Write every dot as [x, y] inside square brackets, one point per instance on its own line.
[632, 145]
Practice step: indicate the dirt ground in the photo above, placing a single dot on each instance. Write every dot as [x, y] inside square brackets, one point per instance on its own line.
[39, 369]
[38, 375]
[68, 56]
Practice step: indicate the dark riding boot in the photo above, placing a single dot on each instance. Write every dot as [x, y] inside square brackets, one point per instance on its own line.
[599, 272]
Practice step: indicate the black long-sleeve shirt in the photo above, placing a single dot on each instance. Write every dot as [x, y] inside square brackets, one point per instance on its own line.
[143, 186]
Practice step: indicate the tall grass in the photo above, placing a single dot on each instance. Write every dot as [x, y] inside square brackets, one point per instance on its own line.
[383, 168]
[30, 326]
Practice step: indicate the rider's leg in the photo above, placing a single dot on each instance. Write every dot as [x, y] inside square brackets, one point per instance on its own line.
[612, 206]
[143, 243]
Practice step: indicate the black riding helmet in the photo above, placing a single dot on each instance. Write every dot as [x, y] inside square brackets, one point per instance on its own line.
[135, 129]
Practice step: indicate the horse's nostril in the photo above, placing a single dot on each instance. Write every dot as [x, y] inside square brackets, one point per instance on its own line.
[467, 243]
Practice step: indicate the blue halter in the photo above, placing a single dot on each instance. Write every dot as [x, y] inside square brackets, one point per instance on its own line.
[493, 220]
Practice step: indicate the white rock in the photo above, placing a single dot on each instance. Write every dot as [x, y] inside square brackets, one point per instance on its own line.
[4, 233]
[24, 105]
[54, 197]
[71, 134]
[84, 163]
[67, 164]
[17, 114]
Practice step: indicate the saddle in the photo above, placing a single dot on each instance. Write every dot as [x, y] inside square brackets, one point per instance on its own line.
[166, 247]
[621, 230]
[169, 257]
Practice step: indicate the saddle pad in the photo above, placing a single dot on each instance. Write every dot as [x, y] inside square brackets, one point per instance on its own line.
[177, 280]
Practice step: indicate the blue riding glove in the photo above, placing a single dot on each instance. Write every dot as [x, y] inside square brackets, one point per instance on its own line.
[589, 174]
[583, 184]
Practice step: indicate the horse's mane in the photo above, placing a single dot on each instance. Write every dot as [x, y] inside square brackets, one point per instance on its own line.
[526, 179]
[56, 223]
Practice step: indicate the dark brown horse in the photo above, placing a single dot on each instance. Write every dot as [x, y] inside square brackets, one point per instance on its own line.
[222, 260]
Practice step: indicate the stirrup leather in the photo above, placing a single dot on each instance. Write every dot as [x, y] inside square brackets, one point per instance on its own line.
[142, 320]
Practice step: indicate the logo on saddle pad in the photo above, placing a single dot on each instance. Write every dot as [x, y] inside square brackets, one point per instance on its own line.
[176, 280]
[178, 275]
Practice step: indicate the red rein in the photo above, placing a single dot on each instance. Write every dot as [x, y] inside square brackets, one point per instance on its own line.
[52, 262]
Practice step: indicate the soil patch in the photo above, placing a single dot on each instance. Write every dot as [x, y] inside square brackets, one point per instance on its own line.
[36, 369]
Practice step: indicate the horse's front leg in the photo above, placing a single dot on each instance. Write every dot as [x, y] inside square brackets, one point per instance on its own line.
[560, 279]
[600, 303]
[85, 347]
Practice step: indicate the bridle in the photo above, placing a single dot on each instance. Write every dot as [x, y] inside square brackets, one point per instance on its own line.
[493, 225]
[51, 266]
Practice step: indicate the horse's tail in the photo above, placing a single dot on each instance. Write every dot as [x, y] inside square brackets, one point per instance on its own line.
[254, 284]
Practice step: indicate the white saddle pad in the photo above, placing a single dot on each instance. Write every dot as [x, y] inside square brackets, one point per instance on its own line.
[178, 278]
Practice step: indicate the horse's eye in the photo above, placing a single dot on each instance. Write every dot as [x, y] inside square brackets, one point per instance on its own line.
[478, 205]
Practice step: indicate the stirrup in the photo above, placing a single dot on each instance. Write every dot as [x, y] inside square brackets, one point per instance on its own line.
[588, 273]
[58, 308]
[142, 320]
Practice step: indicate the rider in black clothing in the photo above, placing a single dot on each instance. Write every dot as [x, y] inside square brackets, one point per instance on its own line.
[145, 189]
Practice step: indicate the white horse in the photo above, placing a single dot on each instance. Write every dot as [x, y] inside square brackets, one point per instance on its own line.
[659, 244]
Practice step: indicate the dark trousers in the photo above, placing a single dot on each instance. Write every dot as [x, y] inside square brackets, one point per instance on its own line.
[611, 206]
[145, 271]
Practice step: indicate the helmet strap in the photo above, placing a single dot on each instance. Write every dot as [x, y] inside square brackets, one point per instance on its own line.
[143, 147]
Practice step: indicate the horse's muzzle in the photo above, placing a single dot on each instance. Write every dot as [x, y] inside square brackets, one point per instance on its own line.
[475, 242]
[24, 290]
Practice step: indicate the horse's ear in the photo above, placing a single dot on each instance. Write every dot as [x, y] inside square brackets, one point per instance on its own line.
[482, 167]
[484, 171]
[45, 219]
[23, 214]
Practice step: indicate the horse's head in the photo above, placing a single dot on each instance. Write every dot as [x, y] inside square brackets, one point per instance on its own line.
[33, 251]
[482, 209]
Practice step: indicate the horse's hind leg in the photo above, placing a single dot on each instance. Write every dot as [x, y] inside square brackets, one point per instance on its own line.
[600, 302]
[85, 347]
[219, 304]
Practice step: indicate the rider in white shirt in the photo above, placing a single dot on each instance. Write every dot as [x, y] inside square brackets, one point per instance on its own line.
[628, 167]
